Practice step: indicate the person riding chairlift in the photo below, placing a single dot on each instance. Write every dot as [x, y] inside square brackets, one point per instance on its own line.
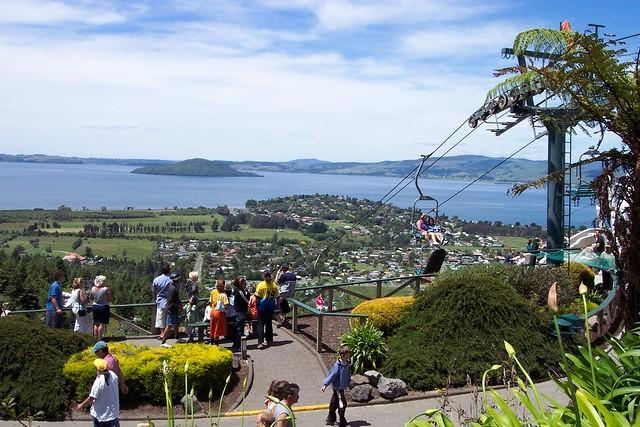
[427, 227]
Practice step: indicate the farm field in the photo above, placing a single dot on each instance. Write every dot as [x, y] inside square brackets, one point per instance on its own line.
[136, 249]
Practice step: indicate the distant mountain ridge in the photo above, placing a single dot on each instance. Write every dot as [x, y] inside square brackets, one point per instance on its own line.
[462, 168]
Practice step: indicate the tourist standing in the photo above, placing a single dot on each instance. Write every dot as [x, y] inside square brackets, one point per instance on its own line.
[173, 308]
[191, 307]
[266, 294]
[283, 412]
[104, 398]
[53, 316]
[160, 287]
[241, 304]
[286, 281]
[219, 302]
[101, 350]
[339, 378]
[78, 302]
[101, 296]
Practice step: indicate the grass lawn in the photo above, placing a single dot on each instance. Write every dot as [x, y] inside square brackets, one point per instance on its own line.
[516, 243]
[136, 249]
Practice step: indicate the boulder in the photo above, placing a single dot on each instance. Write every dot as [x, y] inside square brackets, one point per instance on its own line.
[357, 380]
[374, 377]
[362, 393]
[191, 400]
[391, 388]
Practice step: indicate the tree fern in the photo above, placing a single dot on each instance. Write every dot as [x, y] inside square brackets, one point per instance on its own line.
[542, 40]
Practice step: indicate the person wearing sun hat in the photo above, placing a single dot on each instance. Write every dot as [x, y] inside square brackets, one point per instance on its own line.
[103, 397]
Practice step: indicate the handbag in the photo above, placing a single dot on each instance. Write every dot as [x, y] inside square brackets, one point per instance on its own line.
[253, 307]
[219, 305]
[82, 312]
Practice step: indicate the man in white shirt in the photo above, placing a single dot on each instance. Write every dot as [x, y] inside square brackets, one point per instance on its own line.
[104, 399]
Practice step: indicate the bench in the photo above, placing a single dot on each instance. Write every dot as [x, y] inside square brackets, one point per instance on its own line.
[231, 325]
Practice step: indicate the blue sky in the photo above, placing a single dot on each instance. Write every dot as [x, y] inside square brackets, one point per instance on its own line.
[338, 80]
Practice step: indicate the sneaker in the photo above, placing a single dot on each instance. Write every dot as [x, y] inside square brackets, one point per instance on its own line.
[261, 346]
[329, 422]
[165, 345]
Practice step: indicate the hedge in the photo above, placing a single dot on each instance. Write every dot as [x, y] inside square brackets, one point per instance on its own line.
[208, 369]
[457, 327]
[31, 362]
[384, 313]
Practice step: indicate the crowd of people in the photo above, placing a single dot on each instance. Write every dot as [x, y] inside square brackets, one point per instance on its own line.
[228, 309]
[82, 303]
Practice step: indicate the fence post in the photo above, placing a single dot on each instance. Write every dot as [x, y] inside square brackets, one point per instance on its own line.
[378, 289]
[319, 334]
[294, 319]
[330, 306]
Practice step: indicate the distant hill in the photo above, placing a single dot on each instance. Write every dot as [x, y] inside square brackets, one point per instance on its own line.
[461, 168]
[194, 167]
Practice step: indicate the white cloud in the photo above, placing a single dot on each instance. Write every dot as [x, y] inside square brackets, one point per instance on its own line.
[50, 12]
[336, 15]
[460, 40]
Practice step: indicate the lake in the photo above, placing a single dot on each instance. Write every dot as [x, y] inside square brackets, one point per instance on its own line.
[30, 185]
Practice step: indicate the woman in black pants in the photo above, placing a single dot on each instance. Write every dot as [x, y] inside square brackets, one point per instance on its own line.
[266, 294]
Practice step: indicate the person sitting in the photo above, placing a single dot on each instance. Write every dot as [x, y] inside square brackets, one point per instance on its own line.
[421, 226]
[320, 303]
[435, 232]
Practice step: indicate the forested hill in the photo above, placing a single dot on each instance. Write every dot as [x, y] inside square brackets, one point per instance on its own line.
[194, 167]
[463, 168]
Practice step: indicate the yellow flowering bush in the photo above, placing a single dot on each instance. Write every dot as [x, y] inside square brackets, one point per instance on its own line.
[581, 273]
[384, 313]
[208, 369]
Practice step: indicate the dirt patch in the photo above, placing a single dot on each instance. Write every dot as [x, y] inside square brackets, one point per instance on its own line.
[332, 329]
[231, 398]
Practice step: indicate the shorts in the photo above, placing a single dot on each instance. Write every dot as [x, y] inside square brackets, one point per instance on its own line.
[161, 317]
[172, 319]
[101, 313]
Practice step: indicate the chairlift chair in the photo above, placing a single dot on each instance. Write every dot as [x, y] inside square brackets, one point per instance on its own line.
[422, 198]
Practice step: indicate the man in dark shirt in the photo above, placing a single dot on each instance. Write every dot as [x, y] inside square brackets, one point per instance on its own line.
[173, 307]
[598, 246]
[286, 281]
[241, 304]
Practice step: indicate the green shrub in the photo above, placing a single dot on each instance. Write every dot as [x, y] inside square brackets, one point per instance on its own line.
[31, 361]
[456, 328]
[209, 366]
[384, 313]
[534, 283]
[367, 347]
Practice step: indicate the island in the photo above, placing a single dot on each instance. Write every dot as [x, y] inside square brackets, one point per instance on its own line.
[195, 167]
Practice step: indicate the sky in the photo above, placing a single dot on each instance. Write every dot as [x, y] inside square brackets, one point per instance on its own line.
[272, 80]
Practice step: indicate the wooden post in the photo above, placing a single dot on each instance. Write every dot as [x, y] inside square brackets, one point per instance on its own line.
[330, 306]
[294, 319]
[319, 334]
[378, 289]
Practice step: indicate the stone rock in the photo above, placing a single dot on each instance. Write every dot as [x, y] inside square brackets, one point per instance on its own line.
[357, 380]
[391, 388]
[362, 393]
[235, 363]
[197, 407]
[374, 377]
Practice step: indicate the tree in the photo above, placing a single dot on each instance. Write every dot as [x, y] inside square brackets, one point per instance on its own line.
[601, 86]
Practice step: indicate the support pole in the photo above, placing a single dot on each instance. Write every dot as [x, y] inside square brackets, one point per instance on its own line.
[555, 188]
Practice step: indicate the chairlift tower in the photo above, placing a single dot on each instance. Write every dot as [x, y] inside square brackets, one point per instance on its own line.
[555, 121]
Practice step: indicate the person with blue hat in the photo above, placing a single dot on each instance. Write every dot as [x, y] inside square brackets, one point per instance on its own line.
[101, 350]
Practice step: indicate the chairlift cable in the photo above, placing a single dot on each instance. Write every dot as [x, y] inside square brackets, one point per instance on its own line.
[383, 200]
[492, 169]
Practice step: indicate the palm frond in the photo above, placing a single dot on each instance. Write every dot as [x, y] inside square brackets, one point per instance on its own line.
[529, 77]
[542, 40]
